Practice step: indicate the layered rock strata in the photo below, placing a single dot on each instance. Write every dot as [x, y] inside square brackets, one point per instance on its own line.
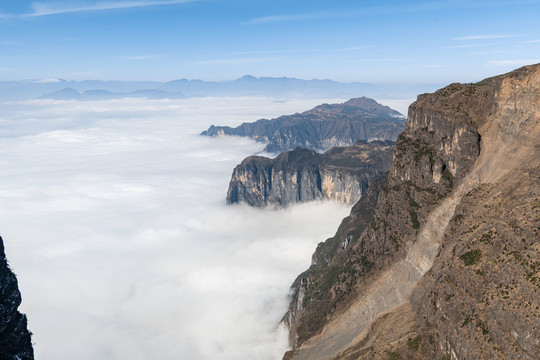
[323, 127]
[445, 262]
[15, 342]
[301, 175]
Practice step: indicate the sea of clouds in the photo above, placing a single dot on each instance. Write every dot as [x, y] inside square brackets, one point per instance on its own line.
[114, 219]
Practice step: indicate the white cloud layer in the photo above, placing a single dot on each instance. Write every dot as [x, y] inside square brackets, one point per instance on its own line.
[114, 220]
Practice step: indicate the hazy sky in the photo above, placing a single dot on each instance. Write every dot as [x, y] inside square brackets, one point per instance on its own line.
[374, 41]
[114, 219]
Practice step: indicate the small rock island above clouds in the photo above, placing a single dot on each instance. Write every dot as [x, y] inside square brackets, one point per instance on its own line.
[342, 174]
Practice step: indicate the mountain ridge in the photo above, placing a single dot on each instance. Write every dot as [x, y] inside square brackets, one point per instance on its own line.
[244, 86]
[460, 206]
[321, 128]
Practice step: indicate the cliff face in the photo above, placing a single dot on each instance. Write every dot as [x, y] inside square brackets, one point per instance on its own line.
[15, 342]
[301, 175]
[481, 298]
[445, 263]
[322, 127]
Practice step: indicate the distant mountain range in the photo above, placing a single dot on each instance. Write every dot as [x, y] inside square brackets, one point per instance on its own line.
[322, 127]
[247, 85]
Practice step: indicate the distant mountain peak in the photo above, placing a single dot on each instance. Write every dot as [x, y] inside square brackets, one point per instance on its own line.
[62, 94]
[247, 77]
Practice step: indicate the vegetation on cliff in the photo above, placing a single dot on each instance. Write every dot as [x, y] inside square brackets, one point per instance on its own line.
[461, 196]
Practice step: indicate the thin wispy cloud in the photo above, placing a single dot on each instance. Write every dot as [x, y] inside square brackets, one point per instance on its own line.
[54, 8]
[292, 17]
[513, 62]
[46, 81]
[365, 11]
[465, 46]
[143, 57]
[375, 60]
[262, 52]
[354, 48]
[327, 14]
[483, 37]
[530, 41]
[490, 52]
[81, 75]
[295, 51]
[434, 66]
[234, 61]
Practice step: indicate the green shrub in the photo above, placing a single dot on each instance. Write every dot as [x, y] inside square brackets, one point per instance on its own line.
[471, 257]
[414, 219]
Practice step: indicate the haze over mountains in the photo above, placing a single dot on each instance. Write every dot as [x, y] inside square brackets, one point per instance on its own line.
[114, 210]
[59, 89]
[439, 258]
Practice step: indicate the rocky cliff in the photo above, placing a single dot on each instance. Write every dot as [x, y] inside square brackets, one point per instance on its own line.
[441, 259]
[340, 174]
[322, 127]
[15, 342]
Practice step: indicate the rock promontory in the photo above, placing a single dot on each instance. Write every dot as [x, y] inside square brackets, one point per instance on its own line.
[341, 174]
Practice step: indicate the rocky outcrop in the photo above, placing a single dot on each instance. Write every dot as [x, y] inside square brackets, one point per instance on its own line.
[15, 342]
[322, 127]
[301, 175]
[445, 263]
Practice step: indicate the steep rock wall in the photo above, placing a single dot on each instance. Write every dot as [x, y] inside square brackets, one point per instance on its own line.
[15, 342]
[301, 175]
[422, 174]
[455, 139]
[481, 298]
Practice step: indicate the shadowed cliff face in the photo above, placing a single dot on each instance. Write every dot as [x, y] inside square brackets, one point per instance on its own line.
[301, 175]
[322, 127]
[15, 343]
[459, 200]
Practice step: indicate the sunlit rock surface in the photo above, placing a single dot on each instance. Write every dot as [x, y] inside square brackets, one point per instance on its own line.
[444, 261]
[301, 175]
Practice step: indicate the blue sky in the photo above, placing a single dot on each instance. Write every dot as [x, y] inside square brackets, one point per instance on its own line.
[373, 41]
